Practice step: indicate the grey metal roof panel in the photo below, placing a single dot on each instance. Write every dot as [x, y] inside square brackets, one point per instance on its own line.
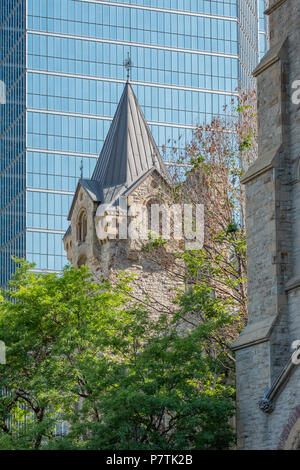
[141, 179]
[68, 232]
[129, 149]
[128, 154]
[93, 188]
[111, 193]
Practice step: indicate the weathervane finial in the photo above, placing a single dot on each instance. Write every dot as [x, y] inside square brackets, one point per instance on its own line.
[128, 64]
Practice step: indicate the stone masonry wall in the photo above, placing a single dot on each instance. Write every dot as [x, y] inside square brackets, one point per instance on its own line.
[90, 249]
[273, 233]
[152, 285]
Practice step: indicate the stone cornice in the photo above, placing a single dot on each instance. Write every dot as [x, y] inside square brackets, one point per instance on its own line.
[264, 163]
[255, 333]
[273, 55]
[274, 7]
[260, 69]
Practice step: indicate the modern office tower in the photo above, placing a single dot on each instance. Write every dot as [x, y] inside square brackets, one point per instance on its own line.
[62, 64]
[263, 28]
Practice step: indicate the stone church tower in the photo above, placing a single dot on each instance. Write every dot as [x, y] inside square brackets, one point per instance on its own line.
[129, 172]
[268, 379]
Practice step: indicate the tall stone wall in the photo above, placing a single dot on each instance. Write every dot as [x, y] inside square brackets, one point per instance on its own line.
[263, 350]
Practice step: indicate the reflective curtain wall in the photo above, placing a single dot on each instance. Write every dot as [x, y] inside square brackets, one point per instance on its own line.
[12, 135]
[189, 57]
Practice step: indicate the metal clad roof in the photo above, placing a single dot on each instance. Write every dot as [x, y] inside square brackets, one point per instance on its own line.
[68, 232]
[129, 149]
[111, 193]
[128, 155]
[110, 141]
[93, 188]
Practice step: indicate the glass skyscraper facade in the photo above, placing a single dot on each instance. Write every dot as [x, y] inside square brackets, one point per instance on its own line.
[62, 63]
[263, 27]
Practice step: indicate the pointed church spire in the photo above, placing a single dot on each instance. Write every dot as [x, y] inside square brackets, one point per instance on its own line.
[128, 154]
[129, 150]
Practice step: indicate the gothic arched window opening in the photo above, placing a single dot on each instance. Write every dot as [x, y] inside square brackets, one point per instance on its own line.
[82, 227]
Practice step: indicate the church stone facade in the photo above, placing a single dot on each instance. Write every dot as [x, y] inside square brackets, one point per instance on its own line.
[129, 169]
[268, 380]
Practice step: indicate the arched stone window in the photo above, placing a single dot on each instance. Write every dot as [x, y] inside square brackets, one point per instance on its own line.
[293, 440]
[290, 437]
[152, 229]
[82, 227]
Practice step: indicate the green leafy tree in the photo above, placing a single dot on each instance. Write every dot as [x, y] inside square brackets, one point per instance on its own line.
[79, 353]
[44, 321]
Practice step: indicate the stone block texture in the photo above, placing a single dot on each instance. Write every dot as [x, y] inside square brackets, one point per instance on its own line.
[273, 237]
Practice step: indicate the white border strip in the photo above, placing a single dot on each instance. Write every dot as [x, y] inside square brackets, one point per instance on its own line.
[63, 152]
[54, 191]
[29, 229]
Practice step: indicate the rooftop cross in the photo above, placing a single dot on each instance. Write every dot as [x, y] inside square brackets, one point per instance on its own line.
[81, 169]
[128, 64]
